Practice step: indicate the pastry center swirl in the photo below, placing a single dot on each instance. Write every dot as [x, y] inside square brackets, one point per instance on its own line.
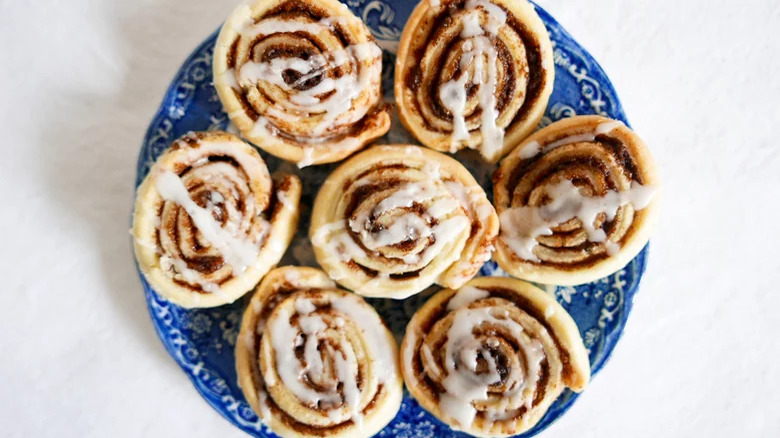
[400, 224]
[213, 216]
[474, 71]
[292, 67]
[572, 199]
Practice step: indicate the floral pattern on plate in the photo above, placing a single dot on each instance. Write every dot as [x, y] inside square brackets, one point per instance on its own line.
[202, 340]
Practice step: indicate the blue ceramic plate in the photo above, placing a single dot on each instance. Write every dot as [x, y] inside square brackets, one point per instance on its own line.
[202, 341]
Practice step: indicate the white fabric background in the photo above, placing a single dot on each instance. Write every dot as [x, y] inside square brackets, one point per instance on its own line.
[80, 79]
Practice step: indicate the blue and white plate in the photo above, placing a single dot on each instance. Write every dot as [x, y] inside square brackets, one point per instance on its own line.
[202, 341]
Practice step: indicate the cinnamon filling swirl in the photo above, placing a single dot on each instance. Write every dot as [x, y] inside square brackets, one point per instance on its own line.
[316, 360]
[474, 73]
[576, 198]
[209, 219]
[301, 80]
[492, 357]
[394, 219]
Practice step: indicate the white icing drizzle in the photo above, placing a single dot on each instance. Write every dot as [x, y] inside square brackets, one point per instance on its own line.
[433, 170]
[442, 207]
[484, 210]
[453, 94]
[496, 15]
[522, 225]
[346, 88]
[530, 150]
[459, 192]
[405, 227]
[304, 306]
[471, 25]
[346, 370]
[445, 232]
[284, 200]
[307, 158]
[465, 296]
[413, 150]
[237, 252]
[469, 198]
[492, 135]
[612, 247]
[285, 339]
[311, 326]
[336, 240]
[607, 127]
[406, 196]
[215, 197]
[262, 127]
[341, 91]
[373, 329]
[463, 385]
[533, 148]
[410, 226]
[191, 276]
[398, 226]
[331, 98]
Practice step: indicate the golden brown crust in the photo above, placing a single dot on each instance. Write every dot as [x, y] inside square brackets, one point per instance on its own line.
[227, 176]
[545, 326]
[438, 224]
[267, 71]
[431, 50]
[597, 163]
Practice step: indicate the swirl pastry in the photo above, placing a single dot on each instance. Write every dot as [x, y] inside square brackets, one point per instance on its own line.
[492, 357]
[576, 201]
[316, 361]
[209, 220]
[393, 220]
[473, 74]
[301, 79]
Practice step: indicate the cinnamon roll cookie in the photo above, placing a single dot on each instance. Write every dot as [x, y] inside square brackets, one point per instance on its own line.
[316, 361]
[210, 221]
[491, 357]
[473, 74]
[301, 79]
[393, 220]
[577, 201]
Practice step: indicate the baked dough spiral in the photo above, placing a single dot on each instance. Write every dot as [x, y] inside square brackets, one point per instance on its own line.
[210, 221]
[301, 79]
[473, 74]
[491, 357]
[577, 201]
[316, 361]
[393, 220]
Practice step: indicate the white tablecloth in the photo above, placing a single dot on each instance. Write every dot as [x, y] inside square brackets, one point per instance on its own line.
[80, 79]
